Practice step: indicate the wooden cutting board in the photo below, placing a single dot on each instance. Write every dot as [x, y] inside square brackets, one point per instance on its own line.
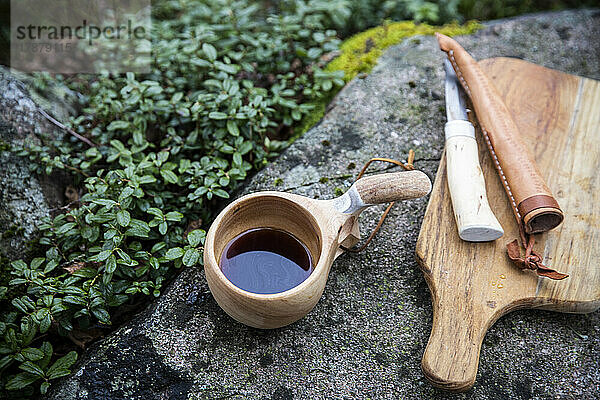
[474, 284]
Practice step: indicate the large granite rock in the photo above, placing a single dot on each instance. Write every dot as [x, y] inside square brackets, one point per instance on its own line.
[25, 197]
[366, 336]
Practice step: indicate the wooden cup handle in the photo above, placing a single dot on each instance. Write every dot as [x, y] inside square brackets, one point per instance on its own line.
[384, 188]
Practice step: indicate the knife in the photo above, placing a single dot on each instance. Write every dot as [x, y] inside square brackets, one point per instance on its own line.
[474, 219]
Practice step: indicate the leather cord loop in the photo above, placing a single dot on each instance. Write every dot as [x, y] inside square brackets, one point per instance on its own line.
[532, 260]
[408, 166]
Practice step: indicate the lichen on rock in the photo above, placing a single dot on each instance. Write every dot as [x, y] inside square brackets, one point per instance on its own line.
[25, 198]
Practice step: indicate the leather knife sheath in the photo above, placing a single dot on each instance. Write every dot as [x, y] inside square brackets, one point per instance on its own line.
[531, 200]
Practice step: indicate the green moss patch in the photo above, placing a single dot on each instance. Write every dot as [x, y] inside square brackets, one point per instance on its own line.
[359, 54]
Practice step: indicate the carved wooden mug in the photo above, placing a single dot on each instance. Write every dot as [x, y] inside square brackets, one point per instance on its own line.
[321, 225]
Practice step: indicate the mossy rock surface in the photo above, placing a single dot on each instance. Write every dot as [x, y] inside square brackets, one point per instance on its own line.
[359, 54]
[366, 336]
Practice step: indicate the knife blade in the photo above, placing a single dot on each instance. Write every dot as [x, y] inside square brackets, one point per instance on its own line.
[474, 218]
[455, 96]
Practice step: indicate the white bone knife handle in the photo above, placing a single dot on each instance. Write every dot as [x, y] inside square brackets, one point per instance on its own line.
[475, 220]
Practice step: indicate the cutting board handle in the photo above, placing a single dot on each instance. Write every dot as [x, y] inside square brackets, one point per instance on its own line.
[452, 354]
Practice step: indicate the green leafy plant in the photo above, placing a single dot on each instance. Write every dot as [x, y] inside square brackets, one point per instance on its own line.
[227, 83]
[369, 13]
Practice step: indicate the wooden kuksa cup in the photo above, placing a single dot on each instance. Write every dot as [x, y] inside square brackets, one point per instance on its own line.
[322, 225]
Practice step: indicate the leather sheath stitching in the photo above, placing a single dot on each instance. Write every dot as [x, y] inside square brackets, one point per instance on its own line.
[504, 181]
[459, 73]
[487, 138]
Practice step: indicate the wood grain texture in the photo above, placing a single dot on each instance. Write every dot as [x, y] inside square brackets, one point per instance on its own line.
[474, 218]
[473, 284]
[385, 188]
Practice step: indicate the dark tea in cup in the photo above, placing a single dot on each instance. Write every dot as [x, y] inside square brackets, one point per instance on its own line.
[266, 261]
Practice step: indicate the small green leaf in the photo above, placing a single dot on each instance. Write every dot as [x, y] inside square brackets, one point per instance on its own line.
[58, 373]
[158, 247]
[103, 255]
[124, 256]
[58, 308]
[176, 97]
[36, 262]
[314, 52]
[233, 128]
[4, 361]
[190, 257]
[123, 218]
[21, 380]
[227, 149]
[65, 228]
[105, 202]
[18, 303]
[217, 115]
[168, 176]
[174, 253]
[111, 264]
[19, 265]
[125, 193]
[109, 234]
[195, 237]
[162, 156]
[221, 193]
[138, 228]
[229, 68]
[45, 323]
[50, 266]
[245, 147]
[47, 299]
[44, 387]
[74, 300]
[146, 179]
[319, 37]
[118, 145]
[47, 349]
[154, 262]
[174, 216]
[117, 125]
[183, 111]
[162, 227]
[237, 158]
[86, 272]
[32, 354]
[155, 211]
[210, 51]
[63, 363]
[32, 368]
[102, 315]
